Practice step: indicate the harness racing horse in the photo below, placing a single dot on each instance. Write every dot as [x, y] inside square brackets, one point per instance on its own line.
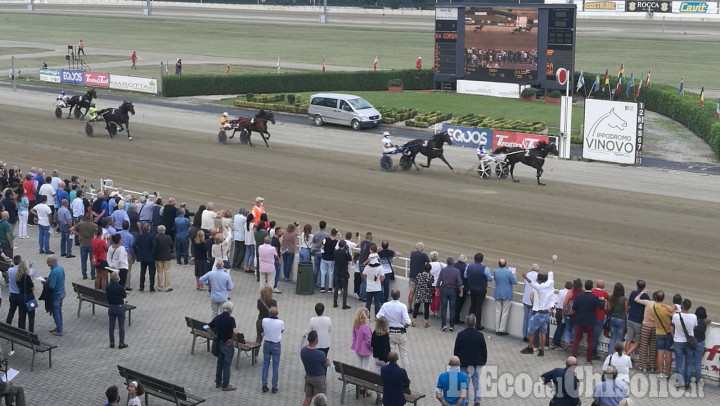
[247, 125]
[432, 148]
[534, 157]
[117, 117]
[76, 103]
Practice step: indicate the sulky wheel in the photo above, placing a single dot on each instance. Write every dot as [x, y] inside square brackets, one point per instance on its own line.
[89, 129]
[406, 162]
[501, 170]
[386, 163]
[484, 171]
[244, 137]
[58, 112]
[112, 130]
[222, 137]
[77, 113]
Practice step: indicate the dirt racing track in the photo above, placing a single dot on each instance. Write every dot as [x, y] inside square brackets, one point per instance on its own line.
[603, 221]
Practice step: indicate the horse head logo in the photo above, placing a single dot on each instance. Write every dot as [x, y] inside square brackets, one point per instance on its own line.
[611, 119]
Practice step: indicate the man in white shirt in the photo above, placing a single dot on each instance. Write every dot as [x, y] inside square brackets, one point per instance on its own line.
[239, 238]
[527, 303]
[396, 313]
[208, 217]
[273, 328]
[543, 290]
[49, 191]
[44, 215]
[322, 325]
[683, 326]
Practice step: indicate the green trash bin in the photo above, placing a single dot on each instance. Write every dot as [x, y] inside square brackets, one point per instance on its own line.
[304, 279]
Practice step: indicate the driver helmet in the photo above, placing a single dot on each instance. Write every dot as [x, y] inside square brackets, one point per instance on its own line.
[62, 93]
[482, 143]
[92, 104]
[386, 134]
[225, 114]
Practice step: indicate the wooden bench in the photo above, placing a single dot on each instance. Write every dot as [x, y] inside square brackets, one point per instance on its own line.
[159, 388]
[96, 297]
[197, 329]
[26, 339]
[363, 378]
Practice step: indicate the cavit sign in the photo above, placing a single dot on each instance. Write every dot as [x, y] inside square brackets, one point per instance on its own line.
[133, 84]
[74, 77]
[97, 79]
[694, 7]
[480, 88]
[610, 131]
[469, 137]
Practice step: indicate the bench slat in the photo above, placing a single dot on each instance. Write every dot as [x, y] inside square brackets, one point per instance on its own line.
[28, 340]
[362, 378]
[159, 388]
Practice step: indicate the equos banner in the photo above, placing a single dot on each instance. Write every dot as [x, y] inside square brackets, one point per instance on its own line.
[49, 75]
[133, 84]
[604, 6]
[495, 89]
[611, 131]
[97, 79]
[694, 7]
[469, 137]
[74, 77]
[520, 140]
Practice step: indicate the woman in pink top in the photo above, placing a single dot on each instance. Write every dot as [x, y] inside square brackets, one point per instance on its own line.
[361, 336]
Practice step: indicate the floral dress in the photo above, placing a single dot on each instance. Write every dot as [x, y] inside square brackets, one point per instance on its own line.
[423, 288]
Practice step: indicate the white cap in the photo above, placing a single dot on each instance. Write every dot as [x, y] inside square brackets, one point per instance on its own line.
[386, 133]
[419, 57]
[225, 114]
[482, 143]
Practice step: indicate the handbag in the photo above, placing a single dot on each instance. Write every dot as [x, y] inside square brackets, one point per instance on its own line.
[668, 336]
[32, 304]
[691, 340]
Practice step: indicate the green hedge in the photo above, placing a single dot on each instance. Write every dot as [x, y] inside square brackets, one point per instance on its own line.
[195, 85]
[665, 100]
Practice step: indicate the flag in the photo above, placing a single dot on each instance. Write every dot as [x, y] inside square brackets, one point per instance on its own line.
[637, 91]
[621, 71]
[618, 85]
[717, 109]
[166, 68]
[581, 81]
[682, 84]
[278, 65]
[647, 79]
[630, 84]
[606, 82]
[596, 84]
[323, 64]
[701, 100]
[227, 68]
[375, 64]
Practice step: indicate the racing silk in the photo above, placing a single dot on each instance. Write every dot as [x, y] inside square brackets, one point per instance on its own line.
[387, 145]
[63, 100]
[223, 121]
[481, 152]
[92, 111]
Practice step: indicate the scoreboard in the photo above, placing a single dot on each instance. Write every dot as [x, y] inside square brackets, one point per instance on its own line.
[523, 43]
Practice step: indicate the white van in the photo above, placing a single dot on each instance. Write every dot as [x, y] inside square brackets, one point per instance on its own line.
[344, 109]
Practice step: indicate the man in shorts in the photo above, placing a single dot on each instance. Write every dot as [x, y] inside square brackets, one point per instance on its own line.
[315, 362]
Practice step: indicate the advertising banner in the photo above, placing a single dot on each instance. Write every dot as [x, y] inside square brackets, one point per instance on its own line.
[133, 84]
[611, 131]
[645, 6]
[604, 6]
[97, 79]
[513, 139]
[495, 89]
[49, 75]
[469, 137]
[694, 7]
[71, 76]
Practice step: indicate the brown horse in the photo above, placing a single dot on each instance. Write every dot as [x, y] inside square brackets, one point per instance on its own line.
[246, 125]
[534, 157]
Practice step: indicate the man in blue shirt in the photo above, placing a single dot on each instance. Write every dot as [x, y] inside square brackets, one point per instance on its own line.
[611, 390]
[225, 330]
[64, 219]
[182, 236]
[127, 240]
[503, 294]
[221, 285]
[56, 282]
[452, 385]
[315, 362]
[478, 276]
[394, 380]
[566, 384]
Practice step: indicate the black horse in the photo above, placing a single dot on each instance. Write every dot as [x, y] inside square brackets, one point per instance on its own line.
[117, 117]
[432, 148]
[534, 157]
[247, 125]
[77, 103]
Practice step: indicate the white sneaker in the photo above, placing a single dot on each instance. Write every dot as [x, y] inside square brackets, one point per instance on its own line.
[276, 290]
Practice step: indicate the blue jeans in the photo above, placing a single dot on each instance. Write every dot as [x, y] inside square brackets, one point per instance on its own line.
[617, 330]
[559, 328]
[287, 258]
[317, 259]
[86, 252]
[249, 255]
[596, 336]
[271, 351]
[697, 360]
[44, 238]
[569, 329]
[473, 372]
[65, 241]
[527, 309]
[304, 255]
[373, 297]
[386, 288]
[58, 297]
[181, 249]
[116, 314]
[683, 360]
[224, 361]
[277, 273]
[447, 295]
[326, 268]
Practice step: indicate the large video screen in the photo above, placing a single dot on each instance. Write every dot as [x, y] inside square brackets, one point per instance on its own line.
[501, 43]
